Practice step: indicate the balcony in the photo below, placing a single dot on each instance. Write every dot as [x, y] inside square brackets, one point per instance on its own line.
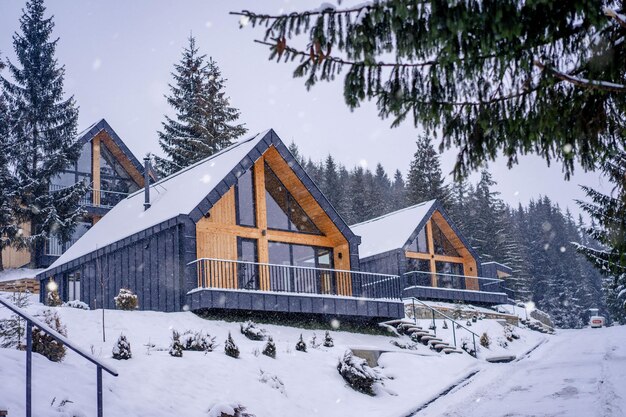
[238, 285]
[450, 287]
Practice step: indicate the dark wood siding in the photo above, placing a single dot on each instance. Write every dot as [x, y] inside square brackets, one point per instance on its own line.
[152, 267]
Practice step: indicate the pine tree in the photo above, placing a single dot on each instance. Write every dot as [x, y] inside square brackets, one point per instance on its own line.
[230, 348]
[330, 185]
[13, 328]
[508, 91]
[121, 350]
[9, 229]
[328, 340]
[204, 122]
[176, 347]
[381, 192]
[43, 131]
[425, 179]
[609, 229]
[270, 348]
[301, 345]
[398, 192]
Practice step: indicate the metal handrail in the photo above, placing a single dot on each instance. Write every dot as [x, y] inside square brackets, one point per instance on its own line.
[294, 267]
[497, 280]
[363, 284]
[30, 323]
[434, 310]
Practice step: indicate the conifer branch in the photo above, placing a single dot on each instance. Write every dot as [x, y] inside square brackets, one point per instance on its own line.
[581, 82]
[327, 10]
[620, 18]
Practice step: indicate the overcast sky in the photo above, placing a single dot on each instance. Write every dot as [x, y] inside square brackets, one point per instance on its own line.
[119, 54]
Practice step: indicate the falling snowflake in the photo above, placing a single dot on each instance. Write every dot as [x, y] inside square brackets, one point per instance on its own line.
[243, 22]
[334, 323]
[206, 179]
[97, 63]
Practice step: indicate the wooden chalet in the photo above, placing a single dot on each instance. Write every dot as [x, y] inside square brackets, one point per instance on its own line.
[112, 172]
[421, 245]
[245, 229]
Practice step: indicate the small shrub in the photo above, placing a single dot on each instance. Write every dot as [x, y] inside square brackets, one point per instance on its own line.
[197, 341]
[313, 342]
[357, 373]
[270, 348]
[126, 300]
[228, 410]
[301, 345]
[510, 333]
[13, 328]
[176, 348]
[230, 348]
[53, 299]
[251, 331]
[503, 343]
[484, 340]
[76, 304]
[469, 323]
[328, 340]
[273, 381]
[445, 324]
[45, 344]
[474, 318]
[121, 350]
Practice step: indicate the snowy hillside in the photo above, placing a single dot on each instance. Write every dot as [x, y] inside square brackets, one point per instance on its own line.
[153, 383]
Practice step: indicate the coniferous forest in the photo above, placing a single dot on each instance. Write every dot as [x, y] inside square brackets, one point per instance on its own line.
[538, 241]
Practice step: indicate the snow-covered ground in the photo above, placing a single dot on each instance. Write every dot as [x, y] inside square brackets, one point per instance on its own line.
[18, 273]
[155, 384]
[576, 373]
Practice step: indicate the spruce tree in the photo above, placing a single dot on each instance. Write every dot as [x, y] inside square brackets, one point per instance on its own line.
[534, 80]
[425, 179]
[608, 213]
[9, 228]
[43, 131]
[398, 192]
[204, 122]
[381, 192]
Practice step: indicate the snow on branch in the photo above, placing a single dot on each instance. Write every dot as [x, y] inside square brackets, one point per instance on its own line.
[582, 82]
[620, 18]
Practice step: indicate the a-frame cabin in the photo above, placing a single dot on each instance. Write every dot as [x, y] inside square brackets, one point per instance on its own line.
[434, 260]
[245, 229]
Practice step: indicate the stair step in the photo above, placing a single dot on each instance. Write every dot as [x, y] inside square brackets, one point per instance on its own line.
[437, 344]
[450, 350]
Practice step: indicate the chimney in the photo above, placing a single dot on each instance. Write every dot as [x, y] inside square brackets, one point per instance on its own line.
[146, 183]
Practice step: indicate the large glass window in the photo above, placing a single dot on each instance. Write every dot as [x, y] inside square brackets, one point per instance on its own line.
[449, 275]
[419, 243]
[115, 182]
[244, 191]
[308, 279]
[54, 245]
[283, 211]
[441, 242]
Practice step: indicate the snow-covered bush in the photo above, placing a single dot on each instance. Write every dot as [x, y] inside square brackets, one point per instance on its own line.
[228, 410]
[45, 344]
[270, 348]
[13, 328]
[121, 350]
[251, 331]
[53, 299]
[76, 304]
[510, 333]
[126, 300]
[465, 345]
[301, 345]
[230, 348]
[469, 323]
[273, 381]
[328, 340]
[445, 324]
[357, 373]
[484, 340]
[198, 341]
[313, 342]
[176, 348]
[502, 342]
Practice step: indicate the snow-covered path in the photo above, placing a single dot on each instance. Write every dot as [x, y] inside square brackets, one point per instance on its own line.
[576, 373]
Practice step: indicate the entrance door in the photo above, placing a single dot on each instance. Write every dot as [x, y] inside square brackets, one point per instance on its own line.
[248, 270]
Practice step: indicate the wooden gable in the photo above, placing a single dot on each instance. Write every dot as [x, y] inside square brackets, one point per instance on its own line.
[217, 232]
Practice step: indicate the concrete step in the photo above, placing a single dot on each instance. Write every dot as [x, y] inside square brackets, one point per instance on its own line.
[434, 342]
[450, 350]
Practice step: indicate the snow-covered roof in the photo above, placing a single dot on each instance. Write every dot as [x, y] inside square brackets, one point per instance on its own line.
[391, 231]
[177, 194]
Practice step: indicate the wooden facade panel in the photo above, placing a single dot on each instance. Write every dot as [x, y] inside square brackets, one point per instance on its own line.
[13, 258]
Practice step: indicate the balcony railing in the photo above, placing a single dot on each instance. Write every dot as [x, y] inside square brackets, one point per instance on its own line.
[228, 274]
[96, 198]
[457, 282]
